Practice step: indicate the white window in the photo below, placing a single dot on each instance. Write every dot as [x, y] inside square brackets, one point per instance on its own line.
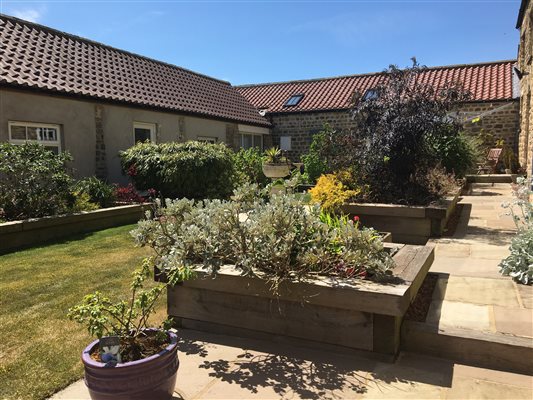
[207, 139]
[143, 131]
[46, 134]
[285, 143]
[249, 140]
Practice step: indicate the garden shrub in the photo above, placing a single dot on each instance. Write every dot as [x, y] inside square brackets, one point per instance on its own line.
[33, 181]
[192, 169]
[128, 194]
[249, 166]
[459, 153]
[97, 190]
[276, 240]
[390, 143]
[81, 201]
[331, 192]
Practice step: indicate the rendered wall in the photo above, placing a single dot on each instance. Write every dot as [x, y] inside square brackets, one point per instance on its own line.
[95, 132]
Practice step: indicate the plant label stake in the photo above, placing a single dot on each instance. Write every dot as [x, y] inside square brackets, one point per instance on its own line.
[109, 349]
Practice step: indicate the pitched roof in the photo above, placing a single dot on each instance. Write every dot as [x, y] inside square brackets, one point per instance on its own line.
[39, 57]
[486, 82]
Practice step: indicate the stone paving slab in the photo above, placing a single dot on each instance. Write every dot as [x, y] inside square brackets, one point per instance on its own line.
[516, 321]
[483, 291]
[477, 268]
[460, 315]
[526, 295]
[222, 367]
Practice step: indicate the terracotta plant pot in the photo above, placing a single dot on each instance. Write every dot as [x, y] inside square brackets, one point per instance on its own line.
[150, 378]
[280, 170]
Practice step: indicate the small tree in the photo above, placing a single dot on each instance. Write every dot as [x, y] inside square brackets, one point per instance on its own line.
[316, 161]
[389, 145]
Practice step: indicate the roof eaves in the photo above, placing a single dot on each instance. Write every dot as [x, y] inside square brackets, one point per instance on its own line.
[521, 12]
[6, 84]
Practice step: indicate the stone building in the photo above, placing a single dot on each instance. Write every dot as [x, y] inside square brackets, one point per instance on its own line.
[298, 109]
[70, 93]
[525, 72]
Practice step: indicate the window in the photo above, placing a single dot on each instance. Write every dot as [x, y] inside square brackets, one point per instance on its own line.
[249, 140]
[370, 94]
[285, 143]
[46, 134]
[143, 131]
[294, 100]
[207, 139]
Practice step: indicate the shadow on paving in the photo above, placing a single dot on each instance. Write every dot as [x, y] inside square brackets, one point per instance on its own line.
[308, 373]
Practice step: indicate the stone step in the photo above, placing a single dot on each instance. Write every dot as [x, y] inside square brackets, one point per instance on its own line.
[481, 349]
[491, 178]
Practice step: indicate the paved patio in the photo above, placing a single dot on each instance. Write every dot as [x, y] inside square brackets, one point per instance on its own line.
[221, 367]
[470, 294]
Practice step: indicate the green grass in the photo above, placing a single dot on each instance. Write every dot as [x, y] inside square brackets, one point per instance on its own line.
[40, 348]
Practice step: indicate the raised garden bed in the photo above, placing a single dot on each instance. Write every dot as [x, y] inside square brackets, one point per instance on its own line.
[407, 224]
[359, 315]
[18, 234]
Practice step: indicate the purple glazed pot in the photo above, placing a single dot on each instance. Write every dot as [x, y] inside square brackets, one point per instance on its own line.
[150, 378]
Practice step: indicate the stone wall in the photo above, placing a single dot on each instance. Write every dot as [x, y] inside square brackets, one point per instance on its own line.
[501, 119]
[503, 123]
[302, 126]
[525, 65]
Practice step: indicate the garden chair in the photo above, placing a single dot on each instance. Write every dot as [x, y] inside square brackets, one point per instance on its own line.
[489, 166]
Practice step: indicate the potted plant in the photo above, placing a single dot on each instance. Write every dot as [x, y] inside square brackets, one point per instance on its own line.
[129, 360]
[275, 165]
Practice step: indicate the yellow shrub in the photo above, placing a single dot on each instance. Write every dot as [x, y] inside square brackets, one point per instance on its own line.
[331, 193]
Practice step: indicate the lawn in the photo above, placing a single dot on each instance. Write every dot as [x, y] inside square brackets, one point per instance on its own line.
[40, 348]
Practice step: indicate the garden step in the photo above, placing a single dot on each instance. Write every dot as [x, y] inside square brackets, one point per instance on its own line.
[472, 347]
[491, 178]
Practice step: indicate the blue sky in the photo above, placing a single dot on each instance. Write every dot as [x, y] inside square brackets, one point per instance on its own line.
[266, 41]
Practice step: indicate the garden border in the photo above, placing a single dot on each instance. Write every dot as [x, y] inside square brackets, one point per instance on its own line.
[407, 224]
[25, 233]
[356, 315]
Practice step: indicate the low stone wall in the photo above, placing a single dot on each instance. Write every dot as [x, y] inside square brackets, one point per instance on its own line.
[407, 224]
[18, 234]
[357, 315]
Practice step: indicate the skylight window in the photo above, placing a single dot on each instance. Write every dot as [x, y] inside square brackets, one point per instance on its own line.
[370, 94]
[293, 100]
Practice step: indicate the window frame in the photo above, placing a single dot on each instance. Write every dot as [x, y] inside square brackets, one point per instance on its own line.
[251, 134]
[145, 125]
[298, 98]
[371, 94]
[45, 143]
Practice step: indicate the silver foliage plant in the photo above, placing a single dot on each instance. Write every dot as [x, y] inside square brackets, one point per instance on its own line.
[276, 238]
[519, 264]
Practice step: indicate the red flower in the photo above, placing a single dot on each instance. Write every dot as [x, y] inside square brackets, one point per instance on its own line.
[356, 219]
